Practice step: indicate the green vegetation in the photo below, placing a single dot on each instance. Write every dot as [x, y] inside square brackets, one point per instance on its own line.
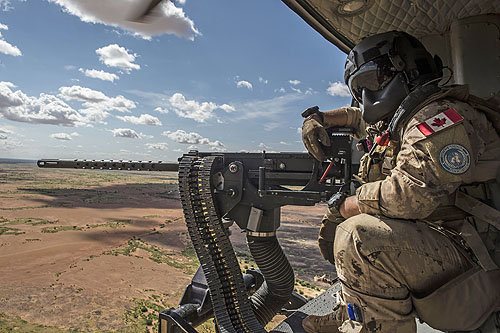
[306, 284]
[187, 262]
[190, 253]
[111, 224]
[21, 208]
[16, 324]
[29, 240]
[54, 229]
[144, 314]
[27, 220]
[245, 259]
[10, 231]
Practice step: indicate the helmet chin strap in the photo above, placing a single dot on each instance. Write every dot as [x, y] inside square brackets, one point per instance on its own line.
[382, 104]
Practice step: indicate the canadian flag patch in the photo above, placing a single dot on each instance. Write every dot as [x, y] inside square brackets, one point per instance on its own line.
[439, 122]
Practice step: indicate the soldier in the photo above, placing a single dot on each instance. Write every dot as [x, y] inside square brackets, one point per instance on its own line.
[420, 234]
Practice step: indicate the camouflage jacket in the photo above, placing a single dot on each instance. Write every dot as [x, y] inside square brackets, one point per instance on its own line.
[419, 171]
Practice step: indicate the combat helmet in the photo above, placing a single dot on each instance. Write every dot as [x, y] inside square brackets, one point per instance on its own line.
[383, 69]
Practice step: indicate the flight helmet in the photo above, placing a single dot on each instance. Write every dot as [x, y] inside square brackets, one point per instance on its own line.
[383, 69]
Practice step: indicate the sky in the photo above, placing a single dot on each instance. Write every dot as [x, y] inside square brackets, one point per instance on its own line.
[80, 79]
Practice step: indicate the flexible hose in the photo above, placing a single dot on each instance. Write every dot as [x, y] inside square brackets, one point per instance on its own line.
[278, 274]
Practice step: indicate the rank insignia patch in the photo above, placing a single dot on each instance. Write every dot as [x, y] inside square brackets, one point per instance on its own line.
[439, 122]
[455, 159]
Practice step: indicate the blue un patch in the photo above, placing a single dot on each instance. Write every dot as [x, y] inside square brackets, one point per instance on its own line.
[455, 159]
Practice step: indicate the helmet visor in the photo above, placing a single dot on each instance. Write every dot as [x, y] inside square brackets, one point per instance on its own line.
[373, 75]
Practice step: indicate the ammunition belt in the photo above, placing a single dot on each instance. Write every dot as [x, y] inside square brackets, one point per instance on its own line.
[232, 308]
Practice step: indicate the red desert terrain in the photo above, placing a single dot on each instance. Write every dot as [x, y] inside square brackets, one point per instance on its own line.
[103, 251]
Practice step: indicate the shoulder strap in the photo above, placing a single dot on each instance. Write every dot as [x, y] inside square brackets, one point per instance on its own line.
[411, 104]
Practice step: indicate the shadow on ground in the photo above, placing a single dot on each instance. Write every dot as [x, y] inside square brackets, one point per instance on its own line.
[162, 196]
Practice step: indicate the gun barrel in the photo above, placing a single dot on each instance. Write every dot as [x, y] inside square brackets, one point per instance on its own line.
[109, 165]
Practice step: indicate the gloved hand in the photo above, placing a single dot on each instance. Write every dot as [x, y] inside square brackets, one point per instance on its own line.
[314, 132]
[327, 235]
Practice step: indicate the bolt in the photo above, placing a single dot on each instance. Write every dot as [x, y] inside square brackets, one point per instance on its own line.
[233, 167]
[231, 192]
[282, 166]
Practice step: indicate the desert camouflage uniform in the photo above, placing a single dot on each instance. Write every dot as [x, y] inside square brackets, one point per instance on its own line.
[389, 254]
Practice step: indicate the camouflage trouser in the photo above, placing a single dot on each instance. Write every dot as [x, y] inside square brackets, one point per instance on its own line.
[380, 261]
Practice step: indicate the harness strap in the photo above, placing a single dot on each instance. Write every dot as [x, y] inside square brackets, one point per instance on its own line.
[477, 209]
[470, 235]
[482, 212]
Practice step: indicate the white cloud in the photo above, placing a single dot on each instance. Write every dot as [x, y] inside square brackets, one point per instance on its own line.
[96, 100]
[192, 109]
[221, 149]
[98, 74]
[227, 108]
[166, 18]
[260, 109]
[6, 47]
[96, 105]
[338, 89]
[161, 110]
[298, 91]
[82, 94]
[294, 82]
[5, 5]
[263, 145]
[269, 126]
[114, 55]
[126, 133]
[216, 143]
[281, 90]
[158, 146]
[62, 136]
[192, 138]
[46, 109]
[244, 84]
[299, 130]
[197, 111]
[284, 143]
[143, 119]
[5, 131]
[261, 80]
[8, 144]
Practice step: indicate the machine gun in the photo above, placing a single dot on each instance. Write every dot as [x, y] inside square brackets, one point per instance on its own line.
[249, 189]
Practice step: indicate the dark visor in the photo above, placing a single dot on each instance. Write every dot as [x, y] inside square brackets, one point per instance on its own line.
[374, 75]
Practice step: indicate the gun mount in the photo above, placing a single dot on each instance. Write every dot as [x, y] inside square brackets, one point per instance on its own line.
[249, 189]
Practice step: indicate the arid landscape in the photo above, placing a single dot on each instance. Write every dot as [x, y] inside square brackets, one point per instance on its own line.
[104, 251]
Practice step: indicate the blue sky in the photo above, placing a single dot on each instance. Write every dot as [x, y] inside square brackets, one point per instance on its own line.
[80, 81]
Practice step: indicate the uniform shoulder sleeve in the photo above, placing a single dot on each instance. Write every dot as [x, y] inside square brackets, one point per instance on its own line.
[434, 159]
